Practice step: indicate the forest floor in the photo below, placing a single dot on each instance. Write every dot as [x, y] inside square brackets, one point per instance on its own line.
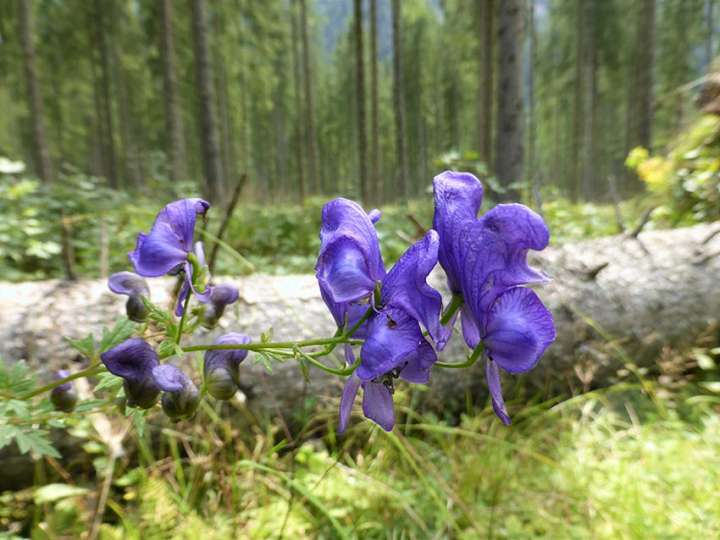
[624, 462]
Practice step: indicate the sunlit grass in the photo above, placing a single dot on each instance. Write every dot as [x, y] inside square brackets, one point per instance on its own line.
[605, 465]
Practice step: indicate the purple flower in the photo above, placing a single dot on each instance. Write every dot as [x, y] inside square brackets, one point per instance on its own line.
[169, 244]
[135, 288]
[348, 269]
[220, 297]
[134, 360]
[350, 263]
[180, 397]
[63, 397]
[486, 261]
[222, 367]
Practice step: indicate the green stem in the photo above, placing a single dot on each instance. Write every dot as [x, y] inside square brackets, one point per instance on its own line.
[182, 319]
[477, 353]
[273, 345]
[342, 372]
[455, 304]
[92, 369]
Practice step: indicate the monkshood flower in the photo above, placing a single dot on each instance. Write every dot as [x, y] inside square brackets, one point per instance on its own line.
[134, 360]
[64, 397]
[395, 346]
[348, 270]
[350, 263]
[180, 397]
[222, 367]
[221, 296]
[135, 288]
[169, 247]
[486, 262]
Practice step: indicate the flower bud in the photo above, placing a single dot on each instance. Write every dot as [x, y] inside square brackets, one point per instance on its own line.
[64, 397]
[134, 360]
[221, 296]
[134, 287]
[222, 367]
[181, 397]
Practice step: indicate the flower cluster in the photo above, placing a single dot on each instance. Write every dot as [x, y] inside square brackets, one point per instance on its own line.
[391, 323]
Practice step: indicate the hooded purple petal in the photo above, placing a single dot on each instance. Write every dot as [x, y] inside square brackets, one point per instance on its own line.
[458, 197]
[170, 239]
[406, 287]
[493, 378]
[129, 284]
[350, 390]
[395, 341]
[470, 329]
[378, 405]
[519, 330]
[350, 262]
[227, 357]
[133, 360]
[170, 378]
[224, 294]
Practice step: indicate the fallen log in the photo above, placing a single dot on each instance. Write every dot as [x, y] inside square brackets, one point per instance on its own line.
[614, 299]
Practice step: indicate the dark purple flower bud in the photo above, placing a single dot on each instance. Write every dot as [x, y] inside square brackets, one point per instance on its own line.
[134, 360]
[220, 297]
[350, 263]
[64, 397]
[180, 397]
[135, 288]
[222, 367]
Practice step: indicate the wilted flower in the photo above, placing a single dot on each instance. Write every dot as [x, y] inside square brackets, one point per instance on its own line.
[222, 367]
[221, 296]
[180, 397]
[64, 397]
[486, 261]
[135, 288]
[169, 246]
[348, 269]
[134, 360]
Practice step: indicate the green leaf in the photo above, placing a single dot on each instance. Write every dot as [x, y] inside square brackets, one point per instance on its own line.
[55, 492]
[122, 330]
[85, 346]
[108, 381]
[89, 405]
[138, 420]
[266, 336]
[35, 441]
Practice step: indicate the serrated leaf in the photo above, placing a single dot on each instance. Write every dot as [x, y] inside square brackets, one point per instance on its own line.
[266, 336]
[138, 420]
[166, 348]
[35, 441]
[122, 330]
[85, 346]
[89, 405]
[108, 381]
[55, 492]
[265, 359]
[15, 407]
[7, 435]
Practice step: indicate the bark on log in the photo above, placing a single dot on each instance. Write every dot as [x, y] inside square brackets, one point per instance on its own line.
[644, 294]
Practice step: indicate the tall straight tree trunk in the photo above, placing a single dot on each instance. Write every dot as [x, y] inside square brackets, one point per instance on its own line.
[212, 167]
[310, 134]
[360, 102]
[376, 188]
[509, 137]
[534, 176]
[173, 115]
[709, 47]
[589, 72]
[297, 90]
[41, 152]
[485, 12]
[399, 101]
[640, 103]
[578, 108]
[107, 129]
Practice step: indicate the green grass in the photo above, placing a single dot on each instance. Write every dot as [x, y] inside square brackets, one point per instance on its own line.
[612, 464]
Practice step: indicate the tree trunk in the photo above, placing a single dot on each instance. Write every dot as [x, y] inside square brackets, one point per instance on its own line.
[613, 299]
[399, 102]
[533, 173]
[509, 137]
[360, 102]
[173, 113]
[107, 129]
[297, 91]
[589, 89]
[204, 81]
[485, 10]
[375, 179]
[709, 34]
[310, 133]
[640, 105]
[41, 153]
